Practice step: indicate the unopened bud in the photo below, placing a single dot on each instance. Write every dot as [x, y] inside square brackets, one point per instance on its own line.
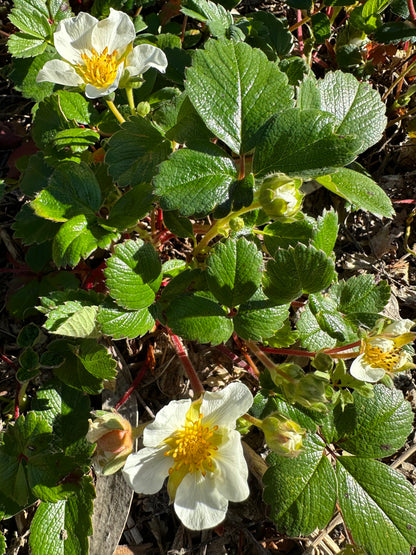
[113, 435]
[280, 196]
[143, 108]
[283, 436]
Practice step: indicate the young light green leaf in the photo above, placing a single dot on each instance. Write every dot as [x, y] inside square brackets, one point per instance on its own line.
[376, 427]
[358, 189]
[296, 271]
[198, 318]
[235, 90]
[135, 151]
[302, 143]
[388, 523]
[259, 318]
[75, 106]
[74, 320]
[120, 323]
[360, 294]
[234, 271]
[72, 190]
[357, 107]
[132, 274]
[194, 182]
[78, 238]
[301, 491]
[63, 528]
[76, 139]
[326, 232]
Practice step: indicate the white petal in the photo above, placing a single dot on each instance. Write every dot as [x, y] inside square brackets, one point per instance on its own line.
[400, 327]
[362, 371]
[94, 92]
[60, 72]
[169, 419]
[382, 343]
[198, 503]
[232, 471]
[144, 57]
[115, 32]
[222, 408]
[73, 37]
[146, 470]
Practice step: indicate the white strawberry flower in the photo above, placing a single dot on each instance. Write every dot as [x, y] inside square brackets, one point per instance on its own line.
[96, 54]
[384, 352]
[198, 448]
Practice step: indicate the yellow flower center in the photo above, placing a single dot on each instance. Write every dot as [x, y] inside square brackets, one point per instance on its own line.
[193, 447]
[99, 70]
[377, 358]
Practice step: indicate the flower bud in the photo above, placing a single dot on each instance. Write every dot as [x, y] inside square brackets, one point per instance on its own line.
[310, 393]
[113, 435]
[237, 224]
[280, 195]
[283, 436]
[142, 109]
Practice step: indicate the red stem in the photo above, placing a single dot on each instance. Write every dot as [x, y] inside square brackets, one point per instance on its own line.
[196, 384]
[16, 401]
[299, 30]
[412, 11]
[133, 386]
[236, 360]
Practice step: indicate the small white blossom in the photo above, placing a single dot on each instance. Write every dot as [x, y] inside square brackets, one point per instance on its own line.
[197, 446]
[384, 352]
[96, 54]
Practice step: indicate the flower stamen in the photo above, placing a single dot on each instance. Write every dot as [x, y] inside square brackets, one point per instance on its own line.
[99, 70]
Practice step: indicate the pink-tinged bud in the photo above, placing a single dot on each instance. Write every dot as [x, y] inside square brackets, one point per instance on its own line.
[113, 435]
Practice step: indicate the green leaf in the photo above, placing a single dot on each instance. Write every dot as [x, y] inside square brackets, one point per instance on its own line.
[393, 32]
[287, 234]
[130, 208]
[302, 143]
[73, 190]
[259, 318]
[24, 72]
[296, 271]
[330, 320]
[85, 364]
[357, 107]
[321, 27]
[28, 336]
[311, 336]
[23, 45]
[284, 337]
[326, 232]
[388, 523]
[275, 31]
[214, 15]
[194, 182]
[308, 97]
[33, 229]
[135, 151]
[133, 274]
[65, 409]
[358, 189]
[177, 224]
[36, 175]
[75, 106]
[76, 139]
[301, 491]
[73, 319]
[199, 318]
[29, 359]
[376, 427]
[78, 238]
[48, 120]
[3, 545]
[63, 528]
[234, 271]
[31, 22]
[120, 323]
[360, 298]
[235, 90]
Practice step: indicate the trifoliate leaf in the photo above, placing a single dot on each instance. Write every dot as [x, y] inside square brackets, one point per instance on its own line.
[378, 505]
[234, 271]
[135, 151]
[301, 491]
[376, 427]
[357, 107]
[235, 90]
[295, 271]
[302, 143]
[194, 182]
[63, 528]
[358, 189]
[133, 274]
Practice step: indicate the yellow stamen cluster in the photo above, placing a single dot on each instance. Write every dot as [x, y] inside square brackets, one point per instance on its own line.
[192, 447]
[99, 70]
[377, 358]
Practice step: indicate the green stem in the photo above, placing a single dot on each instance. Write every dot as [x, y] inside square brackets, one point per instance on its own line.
[222, 223]
[253, 420]
[130, 98]
[113, 108]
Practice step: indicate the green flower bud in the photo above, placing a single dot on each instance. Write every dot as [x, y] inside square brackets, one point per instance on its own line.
[310, 392]
[237, 224]
[283, 436]
[280, 195]
[142, 109]
[292, 371]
